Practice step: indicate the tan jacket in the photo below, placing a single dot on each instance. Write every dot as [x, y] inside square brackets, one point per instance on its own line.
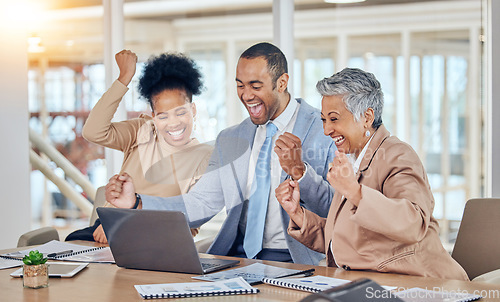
[157, 168]
[392, 229]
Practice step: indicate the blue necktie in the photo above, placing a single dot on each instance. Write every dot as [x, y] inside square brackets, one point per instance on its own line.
[257, 204]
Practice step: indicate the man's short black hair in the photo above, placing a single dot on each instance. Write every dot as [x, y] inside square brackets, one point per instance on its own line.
[276, 60]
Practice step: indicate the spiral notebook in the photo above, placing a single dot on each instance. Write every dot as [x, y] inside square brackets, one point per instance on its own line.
[312, 284]
[236, 286]
[7, 262]
[57, 250]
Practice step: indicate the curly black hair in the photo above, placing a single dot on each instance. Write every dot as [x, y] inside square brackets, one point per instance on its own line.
[170, 71]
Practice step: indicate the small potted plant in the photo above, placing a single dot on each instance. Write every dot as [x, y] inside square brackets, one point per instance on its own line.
[35, 270]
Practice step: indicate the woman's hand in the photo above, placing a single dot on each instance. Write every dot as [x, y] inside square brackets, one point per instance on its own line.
[288, 195]
[342, 178]
[99, 235]
[126, 61]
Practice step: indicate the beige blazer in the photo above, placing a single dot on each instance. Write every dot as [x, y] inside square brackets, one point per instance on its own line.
[392, 229]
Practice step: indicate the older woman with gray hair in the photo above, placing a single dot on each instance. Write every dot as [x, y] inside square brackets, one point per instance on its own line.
[380, 218]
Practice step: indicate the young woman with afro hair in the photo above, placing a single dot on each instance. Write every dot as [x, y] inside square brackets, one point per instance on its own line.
[160, 153]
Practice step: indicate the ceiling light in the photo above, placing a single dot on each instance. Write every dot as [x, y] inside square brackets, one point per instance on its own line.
[35, 44]
[344, 1]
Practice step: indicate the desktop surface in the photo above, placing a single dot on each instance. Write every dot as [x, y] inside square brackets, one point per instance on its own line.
[108, 282]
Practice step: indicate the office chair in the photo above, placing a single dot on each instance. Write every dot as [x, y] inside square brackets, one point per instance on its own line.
[477, 248]
[38, 236]
[99, 201]
[46, 234]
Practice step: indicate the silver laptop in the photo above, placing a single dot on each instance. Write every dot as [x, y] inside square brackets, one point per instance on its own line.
[155, 240]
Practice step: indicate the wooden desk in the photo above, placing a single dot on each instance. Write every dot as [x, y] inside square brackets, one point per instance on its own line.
[107, 282]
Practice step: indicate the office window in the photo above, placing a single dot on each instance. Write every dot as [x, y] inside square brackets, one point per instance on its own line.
[211, 109]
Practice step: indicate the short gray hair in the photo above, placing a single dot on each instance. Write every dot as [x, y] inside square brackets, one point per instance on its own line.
[360, 91]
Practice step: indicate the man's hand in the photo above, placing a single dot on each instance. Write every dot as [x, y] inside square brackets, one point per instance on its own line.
[120, 191]
[289, 150]
[126, 61]
[288, 195]
[99, 235]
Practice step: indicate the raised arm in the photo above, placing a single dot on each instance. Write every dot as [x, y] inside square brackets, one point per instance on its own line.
[98, 128]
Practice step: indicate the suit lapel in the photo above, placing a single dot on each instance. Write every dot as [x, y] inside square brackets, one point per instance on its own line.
[378, 138]
[246, 135]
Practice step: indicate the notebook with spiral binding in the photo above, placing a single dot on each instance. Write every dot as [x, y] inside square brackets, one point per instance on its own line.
[8, 262]
[312, 284]
[57, 250]
[236, 286]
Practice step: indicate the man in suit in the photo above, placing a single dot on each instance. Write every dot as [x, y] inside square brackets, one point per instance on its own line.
[238, 172]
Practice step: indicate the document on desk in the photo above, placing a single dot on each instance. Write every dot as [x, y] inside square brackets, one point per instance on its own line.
[9, 262]
[57, 250]
[312, 284]
[236, 286]
[253, 273]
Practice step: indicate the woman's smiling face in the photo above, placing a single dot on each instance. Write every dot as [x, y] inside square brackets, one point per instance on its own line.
[339, 123]
[173, 116]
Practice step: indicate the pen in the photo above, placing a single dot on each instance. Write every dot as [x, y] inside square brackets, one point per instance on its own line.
[59, 253]
[306, 273]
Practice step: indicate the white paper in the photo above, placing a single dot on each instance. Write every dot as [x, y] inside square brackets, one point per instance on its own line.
[103, 255]
[8, 263]
[53, 246]
[195, 288]
[95, 254]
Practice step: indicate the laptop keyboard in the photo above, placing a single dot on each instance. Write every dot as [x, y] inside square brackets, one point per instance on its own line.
[211, 265]
[207, 266]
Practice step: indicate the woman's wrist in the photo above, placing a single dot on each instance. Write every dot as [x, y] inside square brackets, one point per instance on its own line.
[298, 217]
[125, 79]
[355, 195]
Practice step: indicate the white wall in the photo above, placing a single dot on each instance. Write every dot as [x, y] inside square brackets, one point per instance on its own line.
[15, 213]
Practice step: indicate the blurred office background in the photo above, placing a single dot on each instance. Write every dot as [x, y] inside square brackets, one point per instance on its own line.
[428, 55]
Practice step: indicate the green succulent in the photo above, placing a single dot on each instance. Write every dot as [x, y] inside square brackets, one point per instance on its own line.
[34, 258]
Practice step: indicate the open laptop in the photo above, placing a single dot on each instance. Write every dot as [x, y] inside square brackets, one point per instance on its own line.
[155, 240]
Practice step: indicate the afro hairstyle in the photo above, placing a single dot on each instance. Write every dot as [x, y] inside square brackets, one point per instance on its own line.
[170, 71]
